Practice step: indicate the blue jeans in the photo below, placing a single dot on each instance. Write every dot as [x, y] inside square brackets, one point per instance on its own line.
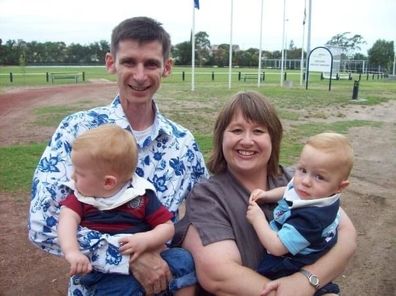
[180, 264]
[274, 267]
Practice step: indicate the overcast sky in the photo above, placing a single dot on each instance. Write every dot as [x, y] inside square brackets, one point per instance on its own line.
[87, 21]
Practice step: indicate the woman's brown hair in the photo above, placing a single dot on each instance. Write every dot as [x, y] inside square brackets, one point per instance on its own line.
[256, 108]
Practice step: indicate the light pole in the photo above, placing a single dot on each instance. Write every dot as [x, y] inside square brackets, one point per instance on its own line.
[308, 39]
[283, 43]
[230, 50]
[261, 41]
[302, 45]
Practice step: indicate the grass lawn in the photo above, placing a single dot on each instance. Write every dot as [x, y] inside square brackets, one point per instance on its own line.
[197, 110]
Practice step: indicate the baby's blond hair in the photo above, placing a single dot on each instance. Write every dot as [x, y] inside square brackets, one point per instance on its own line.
[111, 149]
[337, 144]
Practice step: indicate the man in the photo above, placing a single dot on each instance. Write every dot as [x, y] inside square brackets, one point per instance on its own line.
[168, 154]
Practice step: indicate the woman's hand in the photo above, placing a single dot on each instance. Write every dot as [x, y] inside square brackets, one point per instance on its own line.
[327, 268]
[294, 285]
[219, 267]
[151, 271]
[270, 287]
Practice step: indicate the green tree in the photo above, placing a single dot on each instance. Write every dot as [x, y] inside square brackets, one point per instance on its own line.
[349, 44]
[78, 54]
[294, 53]
[97, 52]
[34, 54]
[359, 56]
[202, 46]
[277, 54]
[220, 55]
[381, 54]
[181, 53]
[249, 57]
[10, 53]
[46, 53]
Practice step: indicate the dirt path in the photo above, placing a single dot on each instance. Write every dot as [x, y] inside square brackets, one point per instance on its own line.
[370, 200]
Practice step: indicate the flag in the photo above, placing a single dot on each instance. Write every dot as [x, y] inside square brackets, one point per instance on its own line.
[196, 4]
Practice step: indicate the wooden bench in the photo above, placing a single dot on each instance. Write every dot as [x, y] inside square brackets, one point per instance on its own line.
[252, 76]
[58, 76]
[337, 76]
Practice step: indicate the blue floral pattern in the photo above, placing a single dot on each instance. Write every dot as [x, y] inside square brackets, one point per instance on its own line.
[169, 158]
[113, 257]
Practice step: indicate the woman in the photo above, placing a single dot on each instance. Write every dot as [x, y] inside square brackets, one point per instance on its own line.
[226, 250]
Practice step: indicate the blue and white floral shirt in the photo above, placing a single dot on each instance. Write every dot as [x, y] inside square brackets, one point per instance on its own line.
[169, 158]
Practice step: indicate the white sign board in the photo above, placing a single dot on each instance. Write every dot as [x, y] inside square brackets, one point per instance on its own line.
[320, 60]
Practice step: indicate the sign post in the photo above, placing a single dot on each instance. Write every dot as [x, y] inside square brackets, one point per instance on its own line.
[320, 59]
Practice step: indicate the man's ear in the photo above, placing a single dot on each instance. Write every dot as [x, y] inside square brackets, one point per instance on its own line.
[110, 182]
[110, 63]
[343, 185]
[167, 67]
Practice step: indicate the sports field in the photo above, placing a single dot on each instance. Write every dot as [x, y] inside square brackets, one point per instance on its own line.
[30, 111]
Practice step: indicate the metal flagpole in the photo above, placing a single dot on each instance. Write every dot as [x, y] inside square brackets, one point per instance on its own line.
[193, 49]
[308, 37]
[283, 42]
[302, 45]
[261, 38]
[230, 54]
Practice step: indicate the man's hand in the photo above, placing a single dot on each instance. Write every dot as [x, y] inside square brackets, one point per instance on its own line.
[151, 271]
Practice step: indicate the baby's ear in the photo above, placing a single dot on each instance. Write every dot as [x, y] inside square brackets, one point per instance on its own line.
[110, 182]
[343, 185]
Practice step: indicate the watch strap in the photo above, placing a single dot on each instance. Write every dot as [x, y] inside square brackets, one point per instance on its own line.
[312, 278]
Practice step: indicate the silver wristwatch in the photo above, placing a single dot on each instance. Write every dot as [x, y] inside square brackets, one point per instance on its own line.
[312, 278]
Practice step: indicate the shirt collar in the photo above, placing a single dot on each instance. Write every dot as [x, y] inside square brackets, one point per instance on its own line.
[161, 124]
[135, 187]
[294, 201]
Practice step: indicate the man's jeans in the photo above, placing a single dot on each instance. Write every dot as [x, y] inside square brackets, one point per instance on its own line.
[180, 264]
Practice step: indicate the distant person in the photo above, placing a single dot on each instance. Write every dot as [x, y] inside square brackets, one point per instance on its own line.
[110, 198]
[305, 221]
[168, 155]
